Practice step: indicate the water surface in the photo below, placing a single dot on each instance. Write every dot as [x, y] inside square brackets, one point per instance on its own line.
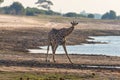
[112, 47]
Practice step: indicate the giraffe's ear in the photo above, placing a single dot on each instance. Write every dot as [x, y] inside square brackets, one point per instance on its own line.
[71, 22]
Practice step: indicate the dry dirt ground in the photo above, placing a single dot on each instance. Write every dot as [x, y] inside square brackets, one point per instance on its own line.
[17, 33]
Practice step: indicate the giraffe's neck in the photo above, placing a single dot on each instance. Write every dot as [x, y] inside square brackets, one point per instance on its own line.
[68, 31]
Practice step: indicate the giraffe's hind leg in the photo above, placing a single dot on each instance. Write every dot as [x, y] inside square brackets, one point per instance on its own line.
[54, 50]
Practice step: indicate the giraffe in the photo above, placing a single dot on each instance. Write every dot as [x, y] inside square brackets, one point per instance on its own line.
[57, 37]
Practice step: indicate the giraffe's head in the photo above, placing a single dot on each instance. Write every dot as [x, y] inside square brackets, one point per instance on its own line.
[74, 23]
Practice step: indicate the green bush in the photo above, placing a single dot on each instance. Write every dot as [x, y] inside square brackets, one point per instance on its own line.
[34, 11]
[109, 15]
[16, 8]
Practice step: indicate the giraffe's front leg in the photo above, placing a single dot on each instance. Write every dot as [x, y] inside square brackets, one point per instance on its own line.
[64, 46]
[54, 57]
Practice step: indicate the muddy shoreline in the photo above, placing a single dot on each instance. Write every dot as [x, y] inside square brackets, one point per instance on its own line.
[23, 39]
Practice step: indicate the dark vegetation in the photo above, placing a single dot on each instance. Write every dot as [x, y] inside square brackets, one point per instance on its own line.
[18, 9]
[90, 16]
[109, 15]
[36, 11]
[46, 4]
[73, 14]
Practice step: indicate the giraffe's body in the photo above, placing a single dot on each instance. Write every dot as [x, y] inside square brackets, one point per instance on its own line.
[58, 37]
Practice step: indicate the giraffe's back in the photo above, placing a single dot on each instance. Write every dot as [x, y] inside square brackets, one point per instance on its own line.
[55, 37]
[52, 36]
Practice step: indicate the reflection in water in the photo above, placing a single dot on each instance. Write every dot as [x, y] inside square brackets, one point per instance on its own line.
[112, 48]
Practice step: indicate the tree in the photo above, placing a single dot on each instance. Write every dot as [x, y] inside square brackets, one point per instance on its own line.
[71, 14]
[17, 8]
[1, 1]
[109, 15]
[112, 14]
[105, 16]
[90, 16]
[46, 4]
[34, 11]
[118, 17]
